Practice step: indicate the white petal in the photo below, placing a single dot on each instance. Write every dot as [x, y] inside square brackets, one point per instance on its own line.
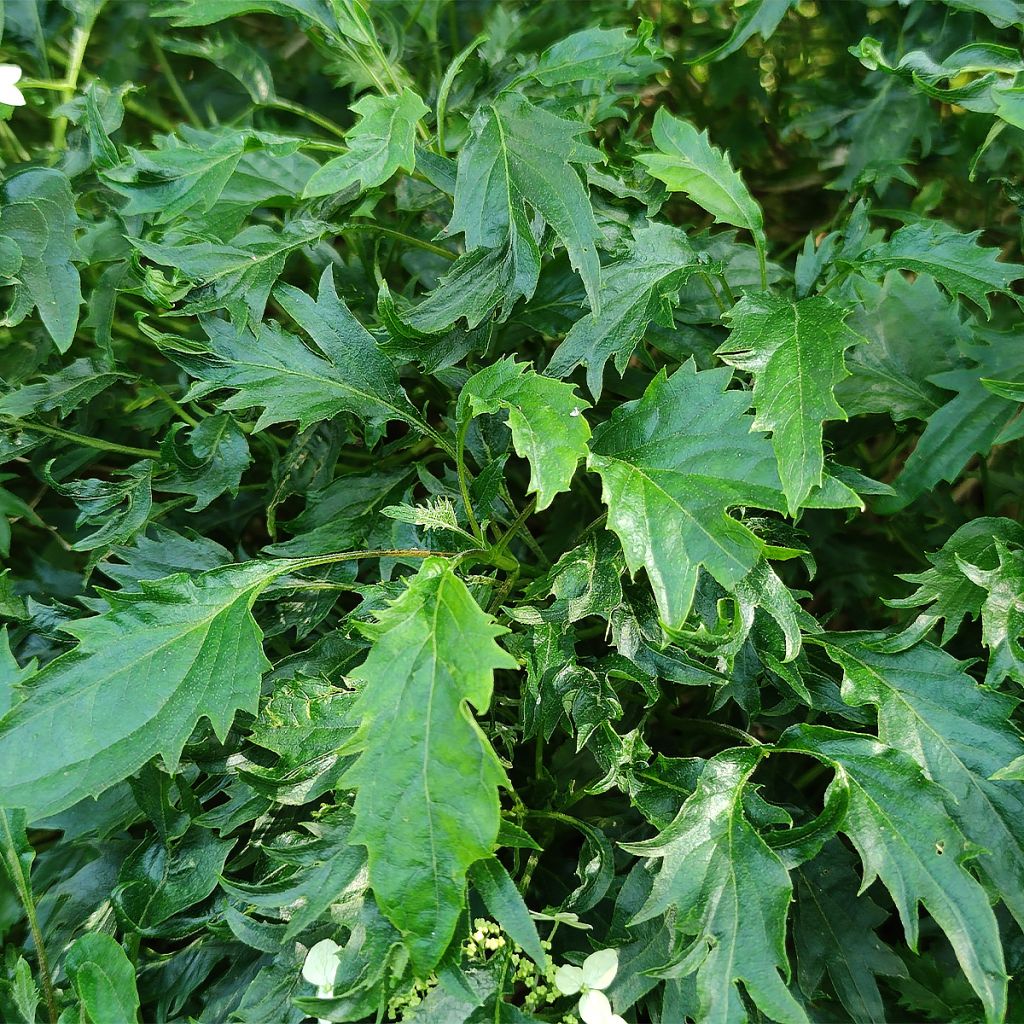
[599, 968]
[568, 979]
[11, 96]
[615, 1019]
[9, 74]
[321, 964]
[595, 1008]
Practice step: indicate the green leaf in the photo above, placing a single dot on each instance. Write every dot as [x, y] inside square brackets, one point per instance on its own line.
[967, 425]
[945, 591]
[952, 258]
[605, 54]
[834, 927]
[209, 463]
[544, 415]
[427, 778]
[912, 329]
[65, 390]
[273, 369]
[12, 676]
[104, 979]
[687, 162]
[958, 732]
[504, 903]
[759, 17]
[120, 508]
[309, 873]
[899, 824]
[638, 289]
[236, 276]
[672, 464]
[38, 216]
[143, 674]
[518, 153]
[1002, 614]
[382, 143]
[731, 894]
[795, 352]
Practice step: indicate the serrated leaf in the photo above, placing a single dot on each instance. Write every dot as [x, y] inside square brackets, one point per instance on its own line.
[897, 820]
[834, 928]
[143, 674]
[731, 894]
[519, 153]
[688, 162]
[795, 350]
[426, 773]
[605, 54]
[945, 591]
[640, 288]
[1002, 614]
[273, 369]
[759, 17]
[913, 330]
[951, 257]
[209, 463]
[544, 415]
[671, 465]
[382, 143]
[958, 732]
[104, 979]
[65, 390]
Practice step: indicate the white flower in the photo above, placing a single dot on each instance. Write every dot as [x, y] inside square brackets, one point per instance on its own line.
[320, 968]
[9, 92]
[597, 973]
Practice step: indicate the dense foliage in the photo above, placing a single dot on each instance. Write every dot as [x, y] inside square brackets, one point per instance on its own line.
[510, 511]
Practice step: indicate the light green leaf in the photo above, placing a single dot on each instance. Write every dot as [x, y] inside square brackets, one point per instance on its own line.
[731, 895]
[103, 978]
[758, 17]
[518, 153]
[209, 463]
[897, 820]
[382, 143]
[638, 289]
[544, 415]
[605, 54]
[142, 676]
[672, 464]
[1002, 614]
[795, 352]
[687, 162]
[65, 390]
[427, 778]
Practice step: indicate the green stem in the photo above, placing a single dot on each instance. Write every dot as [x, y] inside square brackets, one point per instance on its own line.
[460, 462]
[23, 884]
[79, 41]
[172, 81]
[418, 243]
[313, 561]
[310, 115]
[83, 439]
[762, 262]
[172, 404]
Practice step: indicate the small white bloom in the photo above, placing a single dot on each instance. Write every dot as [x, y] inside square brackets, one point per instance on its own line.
[321, 967]
[9, 92]
[597, 973]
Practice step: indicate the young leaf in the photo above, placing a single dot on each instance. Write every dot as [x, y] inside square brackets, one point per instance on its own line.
[731, 894]
[544, 415]
[382, 143]
[898, 822]
[427, 778]
[143, 674]
[104, 979]
[672, 464]
[1002, 614]
[65, 390]
[517, 154]
[687, 162]
[639, 289]
[209, 463]
[795, 352]
[599, 53]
